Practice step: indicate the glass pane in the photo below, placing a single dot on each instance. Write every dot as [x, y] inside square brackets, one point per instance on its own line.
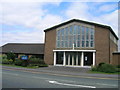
[83, 37]
[58, 44]
[58, 38]
[78, 30]
[91, 37]
[71, 29]
[66, 43]
[87, 43]
[66, 58]
[62, 31]
[59, 57]
[78, 43]
[83, 30]
[83, 43]
[70, 58]
[66, 29]
[79, 58]
[91, 44]
[78, 37]
[75, 29]
[74, 55]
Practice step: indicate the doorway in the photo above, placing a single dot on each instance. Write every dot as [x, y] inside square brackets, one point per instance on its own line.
[73, 58]
[88, 58]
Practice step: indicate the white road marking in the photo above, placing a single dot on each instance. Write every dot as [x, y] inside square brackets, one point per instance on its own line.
[106, 84]
[55, 82]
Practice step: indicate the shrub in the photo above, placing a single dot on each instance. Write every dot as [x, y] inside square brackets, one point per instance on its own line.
[18, 62]
[5, 61]
[11, 55]
[33, 61]
[45, 65]
[108, 68]
[4, 56]
[10, 61]
[36, 61]
[24, 63]
[100, 64]
[118, 66]
[94, 68]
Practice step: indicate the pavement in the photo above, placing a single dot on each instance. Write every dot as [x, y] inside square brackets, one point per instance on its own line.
[75, 71]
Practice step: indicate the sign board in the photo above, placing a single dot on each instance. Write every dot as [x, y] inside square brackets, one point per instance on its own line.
[24, 57]
[86, 58]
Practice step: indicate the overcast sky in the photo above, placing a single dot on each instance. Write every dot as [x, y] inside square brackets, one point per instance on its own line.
[23, 21]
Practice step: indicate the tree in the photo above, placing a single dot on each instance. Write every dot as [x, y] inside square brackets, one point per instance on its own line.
[11, 55]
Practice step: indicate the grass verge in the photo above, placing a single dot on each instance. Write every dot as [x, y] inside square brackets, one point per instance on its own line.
[31, 67]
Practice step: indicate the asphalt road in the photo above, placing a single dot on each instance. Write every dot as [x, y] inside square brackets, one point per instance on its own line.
[28, 79]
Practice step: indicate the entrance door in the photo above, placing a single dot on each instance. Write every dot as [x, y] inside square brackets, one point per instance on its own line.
[59, 58]
[88, 58]
[73, 58]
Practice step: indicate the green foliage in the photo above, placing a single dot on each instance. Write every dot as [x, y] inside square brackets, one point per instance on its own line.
[11, 55]
[36, 61]
[33, 61]
[118, 66]
[106, 68]
[100, 64]
[5, 61]
[4, 56]
[45, 65]
[94, 68]
[103, 67]
[18, 62]
[10, 61]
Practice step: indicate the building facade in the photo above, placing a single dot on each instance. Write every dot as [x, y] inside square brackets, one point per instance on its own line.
[79, 43]
[27, 49]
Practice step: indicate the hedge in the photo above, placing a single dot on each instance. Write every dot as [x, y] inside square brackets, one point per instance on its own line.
[103, 67]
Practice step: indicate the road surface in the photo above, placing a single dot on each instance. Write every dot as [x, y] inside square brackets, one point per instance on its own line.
[29, 79]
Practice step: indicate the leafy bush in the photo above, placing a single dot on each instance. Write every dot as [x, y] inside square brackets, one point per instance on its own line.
[10, 61]
[106, 68]
[94, 68]
[118, 66]
[24, 63]
[103, 67]
[18, 62]
[45, 65]
[5, 61]
[100, 64]
[33, 61]
[36, 61]
[4, 56]
[11, 55]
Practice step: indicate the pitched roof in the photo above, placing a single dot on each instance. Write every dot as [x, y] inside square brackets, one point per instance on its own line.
[82, 21]
[23, 48]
